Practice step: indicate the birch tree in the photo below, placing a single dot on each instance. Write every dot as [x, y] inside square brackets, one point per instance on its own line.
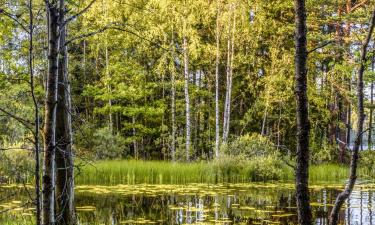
[48, 211]
[217, 110]
[229, 70]
[187, 97]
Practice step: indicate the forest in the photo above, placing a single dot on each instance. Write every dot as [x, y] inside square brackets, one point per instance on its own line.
[255, 112]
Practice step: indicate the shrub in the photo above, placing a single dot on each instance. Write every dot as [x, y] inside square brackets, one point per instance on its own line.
[16, 165]
[108, 145]
[249, 146]
[264, 168]
[367, 161]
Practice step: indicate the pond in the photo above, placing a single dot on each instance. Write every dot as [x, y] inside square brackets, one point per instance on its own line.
[255, 203]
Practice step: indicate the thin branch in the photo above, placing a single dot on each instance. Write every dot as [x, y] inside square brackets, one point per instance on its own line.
[143, 38]
[88, 34]
[79, 13]
[25, 122]
[15, 148]
[15, 19]
[320, 46]
[358, 6]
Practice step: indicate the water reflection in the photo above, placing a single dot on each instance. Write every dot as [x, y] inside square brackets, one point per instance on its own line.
[206, 204]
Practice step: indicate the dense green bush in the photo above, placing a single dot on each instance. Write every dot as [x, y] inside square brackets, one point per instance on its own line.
[108, 145]
[367, 161]
[17, 165]
[249, 145]
[252, 155]
[99, 143]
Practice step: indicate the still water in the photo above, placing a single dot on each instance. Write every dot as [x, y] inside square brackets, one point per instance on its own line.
[255, 203]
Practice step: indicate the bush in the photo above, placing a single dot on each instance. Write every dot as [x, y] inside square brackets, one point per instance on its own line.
[257, 168]
[108, 145]
[367, 161]
[249, 146]
[264, 168]
[16, 166]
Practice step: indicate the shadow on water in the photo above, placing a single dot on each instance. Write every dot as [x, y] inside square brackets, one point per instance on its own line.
[255, 203]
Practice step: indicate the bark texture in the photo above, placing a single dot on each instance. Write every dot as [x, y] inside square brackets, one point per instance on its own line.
[217, 111]
[48, 211]
[303, 126]
[228, 94]
[64, 156]
[36, 115]
[341, 198]
[187, 99]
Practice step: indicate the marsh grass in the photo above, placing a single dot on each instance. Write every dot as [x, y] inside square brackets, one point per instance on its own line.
[160, 172]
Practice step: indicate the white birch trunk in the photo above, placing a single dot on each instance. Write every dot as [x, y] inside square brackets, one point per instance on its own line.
[217, 111]
[228, 95]
[187, 99]
[48, 181]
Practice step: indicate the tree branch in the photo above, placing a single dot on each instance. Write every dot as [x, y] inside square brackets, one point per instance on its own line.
[358, 6]
[15, 19]
[88, 34]
[320, 46]
[26, 123]
[79, 13]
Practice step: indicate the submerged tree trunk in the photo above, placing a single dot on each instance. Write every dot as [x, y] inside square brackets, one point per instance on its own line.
[217, 111]
[36, 115]
[64, 156]
[303, 126]
[48, 211]
[334, 217]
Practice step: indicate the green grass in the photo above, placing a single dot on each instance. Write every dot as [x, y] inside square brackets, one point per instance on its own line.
[161, 172]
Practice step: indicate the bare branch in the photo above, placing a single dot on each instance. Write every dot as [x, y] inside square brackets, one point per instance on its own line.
[320, 46]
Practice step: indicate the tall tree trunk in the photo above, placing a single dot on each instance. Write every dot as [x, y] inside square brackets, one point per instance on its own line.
[36, 115]
[372, 103]
[173, 103]
[369, 145]
[228, 98]
[303, 126]
[334, 217]
[64, 156]
[217, 111]
[110, 122]
[349, 117]
[48, 217]
[187, 99]
[134, 139]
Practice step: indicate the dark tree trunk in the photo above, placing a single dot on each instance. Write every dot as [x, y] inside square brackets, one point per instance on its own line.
[48, 211]
[302, 160]
[36, 115]
[64, 158]
[334, 217]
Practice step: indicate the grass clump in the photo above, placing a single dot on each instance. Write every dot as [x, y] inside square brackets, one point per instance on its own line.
[223, 170]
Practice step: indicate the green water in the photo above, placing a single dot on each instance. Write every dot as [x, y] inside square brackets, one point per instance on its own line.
[196, 203]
